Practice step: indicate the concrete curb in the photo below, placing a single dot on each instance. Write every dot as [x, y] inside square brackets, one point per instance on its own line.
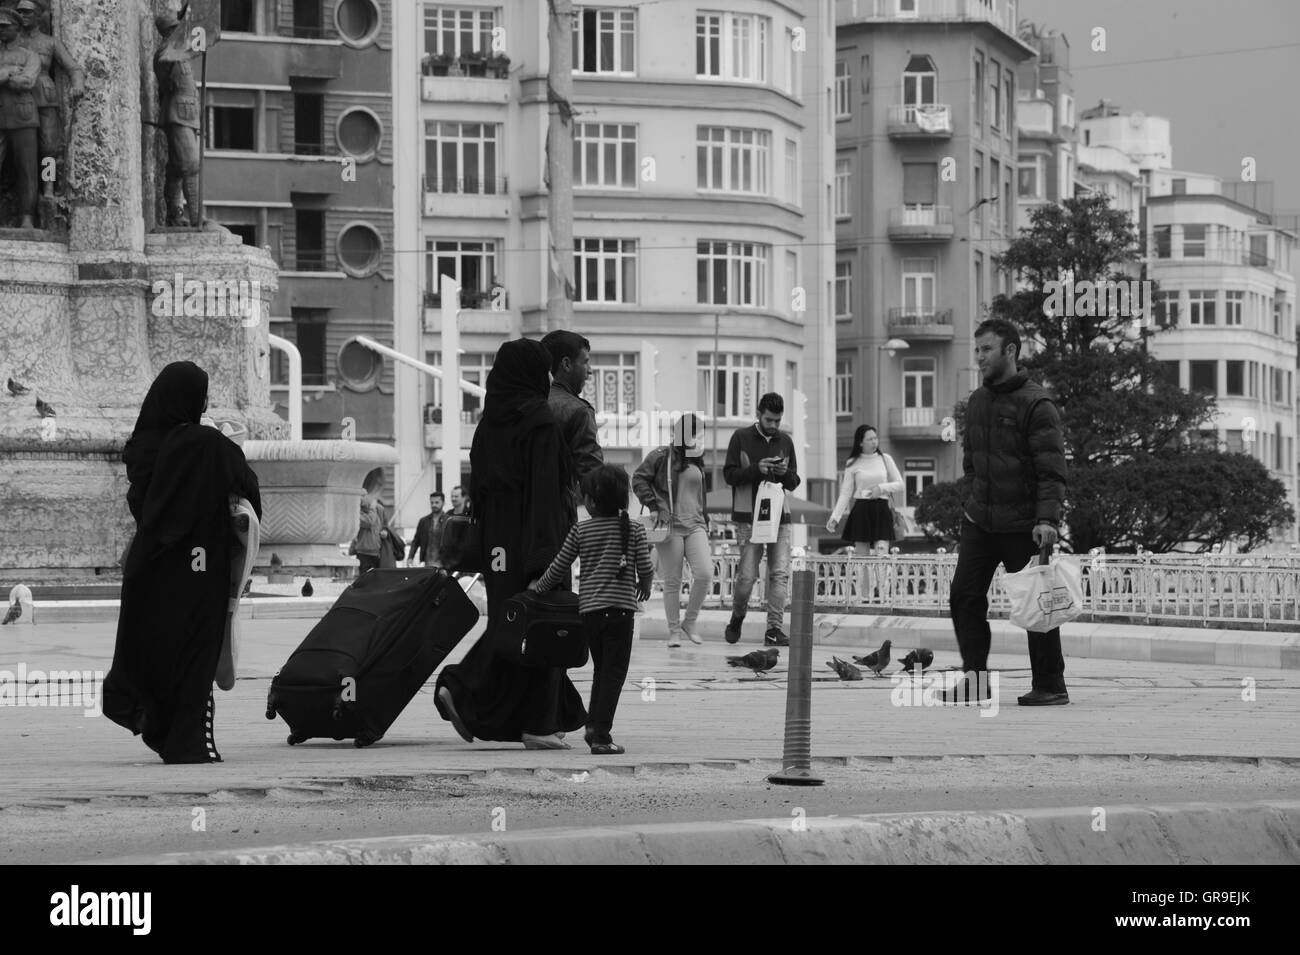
[1149, 644]
[1265, 832]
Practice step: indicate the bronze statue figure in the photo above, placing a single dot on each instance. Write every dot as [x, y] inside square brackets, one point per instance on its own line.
[51, 142]
[180, 117]
[19, 124]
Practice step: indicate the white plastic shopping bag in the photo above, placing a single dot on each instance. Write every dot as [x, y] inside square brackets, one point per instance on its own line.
[1045, 595]
[768, 505]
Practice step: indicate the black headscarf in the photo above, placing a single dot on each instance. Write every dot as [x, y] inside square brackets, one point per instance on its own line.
[181, 471]
[518, 387]
[176, 397]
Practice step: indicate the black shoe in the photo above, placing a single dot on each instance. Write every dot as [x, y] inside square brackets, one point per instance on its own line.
[973, 687]
[775, 638]
[1044, 698]
[732, 633]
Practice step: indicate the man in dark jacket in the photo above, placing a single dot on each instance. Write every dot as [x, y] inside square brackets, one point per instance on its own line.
[1014, 454]
[761, 452]
[570, 369]
[428, 533]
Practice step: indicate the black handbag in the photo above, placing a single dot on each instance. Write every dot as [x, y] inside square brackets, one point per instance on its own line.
[542, 630]
[461, 547]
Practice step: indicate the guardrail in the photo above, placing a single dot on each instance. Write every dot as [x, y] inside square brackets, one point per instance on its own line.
[1261, 592]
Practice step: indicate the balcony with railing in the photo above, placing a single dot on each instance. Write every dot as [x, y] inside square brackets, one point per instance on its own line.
[915, 424]
[481, 312]
[932, 324]
[469, 419]
[468, 78]
[1035, 117]
[920, 223]
[467, 196]
[1000, 13]
[919, 121]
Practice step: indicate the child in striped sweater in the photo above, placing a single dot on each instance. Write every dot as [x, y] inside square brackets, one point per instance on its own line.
[616, 575]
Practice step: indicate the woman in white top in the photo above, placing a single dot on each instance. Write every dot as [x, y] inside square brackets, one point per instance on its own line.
[869, 477]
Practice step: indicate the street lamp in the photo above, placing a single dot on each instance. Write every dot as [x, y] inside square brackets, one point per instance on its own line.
[891, 346]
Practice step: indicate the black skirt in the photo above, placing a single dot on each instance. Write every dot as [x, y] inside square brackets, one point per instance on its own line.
[868, 522]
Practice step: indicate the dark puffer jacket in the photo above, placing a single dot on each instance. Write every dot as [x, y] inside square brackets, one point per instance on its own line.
[1014, 451]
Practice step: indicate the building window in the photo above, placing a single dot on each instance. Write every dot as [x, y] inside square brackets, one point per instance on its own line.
[920, 186]
[604, 270]
[1163, 244]
[843, 289]
[360, 249]
[1258, 255]
[1008, 206]
[1178, 187]
[1171, 372]
[919, 83]
[844, 387]
[309, 335]
[308, 21]
[308, 124]
[731, 46]
[604, 40]
[612, 387]
[1232, 307]
[993, 105]
[449, 31]
[474, 368]
[977, 92]
[232, 127]
[1200, 306]
[309, 231]
[1167, 308]
[1008, 102]
[1204, 376]
[1234, 442]
[917, 476]
[1193, 241]
[461, 158]
[471, 263]
[237, 16]
[732, 273]
[1235, 380]
[791, 273]
[843, 187]
[843, 107]
[919, 281]
[732, 160]
[741, 380]
[1276, 378]
[357, 21]
[791, 377]
[918, 391]
[359, 133]
[1031, 179]
[604, 155]
[792, 172]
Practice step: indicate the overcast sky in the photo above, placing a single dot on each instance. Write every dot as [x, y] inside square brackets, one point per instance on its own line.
[1220, 107]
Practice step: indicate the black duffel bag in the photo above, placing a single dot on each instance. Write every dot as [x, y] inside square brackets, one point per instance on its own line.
[542, 630]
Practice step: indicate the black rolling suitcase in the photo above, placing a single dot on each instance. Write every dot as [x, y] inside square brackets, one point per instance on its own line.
[370, 654]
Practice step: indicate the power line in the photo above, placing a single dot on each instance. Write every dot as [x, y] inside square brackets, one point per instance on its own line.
[1184, 56]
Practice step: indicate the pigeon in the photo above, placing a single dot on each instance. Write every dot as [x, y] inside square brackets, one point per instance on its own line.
[14, 612]
[757, 660]
[922, 656]
[307, 589]
[16, 389]
[877, 660]
[43, 409]
[846, 671]
[275, 560]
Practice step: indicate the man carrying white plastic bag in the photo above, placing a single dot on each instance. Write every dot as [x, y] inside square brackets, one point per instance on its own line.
[1045, 594]
[1013, 454]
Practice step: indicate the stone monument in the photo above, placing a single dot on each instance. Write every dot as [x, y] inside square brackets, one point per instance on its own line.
[88, 316]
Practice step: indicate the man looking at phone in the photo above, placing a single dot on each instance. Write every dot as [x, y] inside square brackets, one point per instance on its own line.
[761, 452]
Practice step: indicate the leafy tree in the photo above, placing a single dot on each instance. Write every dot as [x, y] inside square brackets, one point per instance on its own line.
[1134, 477]
[938, 513]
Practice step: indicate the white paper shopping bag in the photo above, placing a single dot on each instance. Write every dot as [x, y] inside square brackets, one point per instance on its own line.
[768, 505]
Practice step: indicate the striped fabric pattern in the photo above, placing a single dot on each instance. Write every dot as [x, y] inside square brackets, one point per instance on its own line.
[599, 542]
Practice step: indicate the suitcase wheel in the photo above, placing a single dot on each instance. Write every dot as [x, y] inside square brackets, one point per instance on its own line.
[363, 741]
[270, 705]
[294, 739]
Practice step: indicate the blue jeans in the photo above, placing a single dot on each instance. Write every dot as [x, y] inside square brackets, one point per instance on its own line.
[778, 573]
[692, 546]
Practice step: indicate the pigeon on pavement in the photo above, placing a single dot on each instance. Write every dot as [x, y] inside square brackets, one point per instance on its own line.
[13, 613]
[16, 389]
[922, 656]
[757, 660]
[846, 671]
[307, 589]
[43, 409]
[876, 660]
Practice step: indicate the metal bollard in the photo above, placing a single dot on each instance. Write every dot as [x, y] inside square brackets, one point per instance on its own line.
[797, 762]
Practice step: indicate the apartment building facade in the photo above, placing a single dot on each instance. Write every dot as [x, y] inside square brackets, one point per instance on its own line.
[1045, 121]
[926, 180]
[702, 222]
[299, 160]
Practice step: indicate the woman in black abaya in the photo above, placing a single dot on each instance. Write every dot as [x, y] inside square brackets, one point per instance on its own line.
[174, 597]
[519, 467]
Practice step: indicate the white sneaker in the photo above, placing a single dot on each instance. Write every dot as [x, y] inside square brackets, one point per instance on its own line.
[674, 637]
[692, 636]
